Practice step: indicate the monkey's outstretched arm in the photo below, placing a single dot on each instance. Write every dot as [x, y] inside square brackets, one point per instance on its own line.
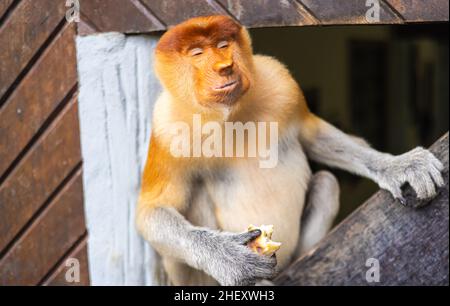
[326, 144]
[222, 255]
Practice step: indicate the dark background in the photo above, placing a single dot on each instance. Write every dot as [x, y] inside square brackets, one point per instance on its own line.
[388, 84]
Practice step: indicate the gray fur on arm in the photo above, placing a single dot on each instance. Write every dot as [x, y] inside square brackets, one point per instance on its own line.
[418, 167]
[221, 255]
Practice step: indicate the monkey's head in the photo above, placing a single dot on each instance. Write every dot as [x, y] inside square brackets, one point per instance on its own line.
[206, 60]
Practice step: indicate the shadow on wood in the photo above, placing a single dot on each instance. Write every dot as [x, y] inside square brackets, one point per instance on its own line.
[411, 245]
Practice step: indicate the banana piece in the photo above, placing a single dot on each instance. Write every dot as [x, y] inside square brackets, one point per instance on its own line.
[263, 245]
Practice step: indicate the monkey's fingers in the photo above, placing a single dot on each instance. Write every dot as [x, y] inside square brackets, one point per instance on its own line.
[247, 237]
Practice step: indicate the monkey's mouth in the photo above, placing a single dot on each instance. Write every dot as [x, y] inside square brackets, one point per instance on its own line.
[227, 86]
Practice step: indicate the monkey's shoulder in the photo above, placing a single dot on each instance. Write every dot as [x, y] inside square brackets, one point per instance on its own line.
[270, 69]
[276, 91]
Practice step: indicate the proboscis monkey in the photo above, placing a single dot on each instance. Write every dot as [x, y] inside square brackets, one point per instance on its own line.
[194, 210]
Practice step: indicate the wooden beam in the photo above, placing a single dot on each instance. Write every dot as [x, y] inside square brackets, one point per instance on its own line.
[411, 245]
[145, 16]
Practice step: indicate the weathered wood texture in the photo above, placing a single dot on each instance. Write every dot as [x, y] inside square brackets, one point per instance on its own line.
[58, 277]
[117, 90]
[411, 245]
[58, 227]
[39, 173]
[269, 13]
[348, 12]
[4, 6]
[41, 195]
[37, 96]
[23, 34]
[157, 15]
[419, 10]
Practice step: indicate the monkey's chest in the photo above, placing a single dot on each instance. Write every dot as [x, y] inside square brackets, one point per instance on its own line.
[246, 194]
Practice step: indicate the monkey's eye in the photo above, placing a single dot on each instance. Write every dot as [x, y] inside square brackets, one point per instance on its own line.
[196, 51]
[222, 45]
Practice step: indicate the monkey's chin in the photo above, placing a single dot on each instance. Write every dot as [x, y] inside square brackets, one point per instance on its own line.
[232, 98]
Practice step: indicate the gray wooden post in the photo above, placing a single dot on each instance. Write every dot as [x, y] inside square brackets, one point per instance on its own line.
[117, 92]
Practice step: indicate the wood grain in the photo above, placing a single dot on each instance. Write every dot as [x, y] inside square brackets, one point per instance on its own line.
[28, 27]
[347, 12]
[38, 95]
[268, 13]
[39, 173]
[47, 239]
[170, 13]
[161, 15]
[416, 11]
[119, 15]
[411, 245]
[58, 277]
[4, 5]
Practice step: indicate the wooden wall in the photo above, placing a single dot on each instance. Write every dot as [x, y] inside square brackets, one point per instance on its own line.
[41, 191]
[158, 15]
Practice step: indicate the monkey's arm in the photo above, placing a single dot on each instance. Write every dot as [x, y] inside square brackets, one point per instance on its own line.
[326, 144]
[159, 217]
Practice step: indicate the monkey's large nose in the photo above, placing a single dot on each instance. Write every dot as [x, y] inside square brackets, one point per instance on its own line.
[224, 68]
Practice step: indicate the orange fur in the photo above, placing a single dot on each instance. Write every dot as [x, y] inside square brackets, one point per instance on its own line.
[272, 95]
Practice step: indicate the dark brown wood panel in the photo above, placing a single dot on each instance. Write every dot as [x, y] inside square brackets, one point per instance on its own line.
[411, 245]
[40, 172]
[104, 16]
[38, 95]
[266, 13]
[48, 239]
[170, 13]
[126, 16]
[25, 31]
[58, 278]
[4, 5]
[416, 11]
[347, 11]
[84, 28]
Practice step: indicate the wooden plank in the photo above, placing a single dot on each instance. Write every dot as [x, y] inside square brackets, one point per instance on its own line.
[150, 15]
[28, 27]
[38, 95]
[48, 238]
[170, 13]
[52, 158]
[416, 11]
[85, 28]
[348, 12]
[4, 5]
[58, 278]
[119, 16]
[117, 92]
[411, 245]
[266, 13]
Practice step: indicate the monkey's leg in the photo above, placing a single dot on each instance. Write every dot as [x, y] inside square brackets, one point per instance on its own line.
[322, 206]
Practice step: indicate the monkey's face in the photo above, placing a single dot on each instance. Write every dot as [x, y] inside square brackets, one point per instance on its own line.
[217, 73]
[207, 60]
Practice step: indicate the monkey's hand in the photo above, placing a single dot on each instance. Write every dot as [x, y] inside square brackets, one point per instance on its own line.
[226, 257]
[419, 167]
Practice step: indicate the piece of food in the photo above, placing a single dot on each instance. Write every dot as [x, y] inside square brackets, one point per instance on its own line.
[263, 244]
